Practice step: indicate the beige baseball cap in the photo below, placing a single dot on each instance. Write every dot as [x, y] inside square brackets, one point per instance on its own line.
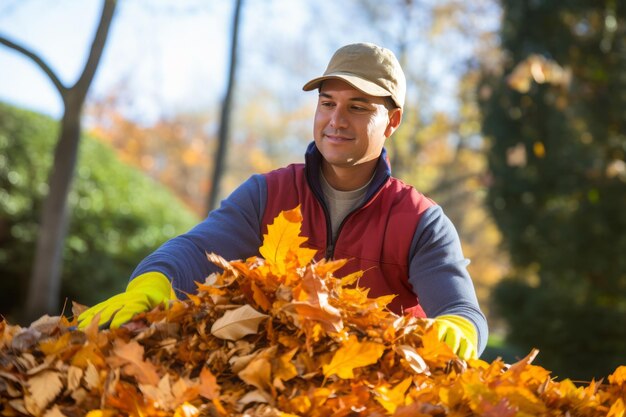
[367, 67]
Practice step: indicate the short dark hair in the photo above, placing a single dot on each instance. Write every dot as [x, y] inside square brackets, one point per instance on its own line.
[390, 104]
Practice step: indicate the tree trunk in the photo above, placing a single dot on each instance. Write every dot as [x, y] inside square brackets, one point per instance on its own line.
[45, 282]
[224, 129]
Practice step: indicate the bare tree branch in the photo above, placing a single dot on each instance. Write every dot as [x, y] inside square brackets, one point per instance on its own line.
[40, 62]
[97, 46]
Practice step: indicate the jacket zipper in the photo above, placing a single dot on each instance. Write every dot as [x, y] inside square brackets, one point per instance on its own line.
[330, 244]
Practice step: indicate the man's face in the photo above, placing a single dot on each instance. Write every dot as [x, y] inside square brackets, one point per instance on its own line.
[350, 126]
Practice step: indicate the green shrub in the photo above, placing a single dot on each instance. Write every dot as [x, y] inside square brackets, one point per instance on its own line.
[118, 214]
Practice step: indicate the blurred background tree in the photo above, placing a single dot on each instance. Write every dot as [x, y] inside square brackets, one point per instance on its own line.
[554, 112]
[541, 80]
[119, 215]
[45, 279]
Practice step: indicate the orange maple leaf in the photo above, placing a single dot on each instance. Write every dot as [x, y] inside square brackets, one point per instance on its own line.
[283, 242]
[312, 303]
[130, 357]
[619, 376]
[208, 387]
[353, 354]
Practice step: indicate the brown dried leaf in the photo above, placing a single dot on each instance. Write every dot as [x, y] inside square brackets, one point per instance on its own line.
[55, 411]
[257, 373]
[42, 389]
[92, 377]
[237, 323]
[74, 375]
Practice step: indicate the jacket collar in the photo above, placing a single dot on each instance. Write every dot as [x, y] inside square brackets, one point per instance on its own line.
[313, 163]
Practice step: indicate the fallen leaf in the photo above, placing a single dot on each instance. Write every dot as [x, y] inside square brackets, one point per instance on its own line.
[208, 387]
[92, 377]
[415, 361]
[186, 410]
[283, 237]
[353, 354]
[618, 409]
[74, 375]
[42, 389]
[55, 411]
[56, 345]
[237, 323]
[258, 372]
[283, 367]
[129, 356]
[392, 398]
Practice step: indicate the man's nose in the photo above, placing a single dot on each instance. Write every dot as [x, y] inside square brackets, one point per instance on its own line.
[338, 118]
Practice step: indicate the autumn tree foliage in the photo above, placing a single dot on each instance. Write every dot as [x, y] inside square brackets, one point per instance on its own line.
[554, 114]
[275, 336]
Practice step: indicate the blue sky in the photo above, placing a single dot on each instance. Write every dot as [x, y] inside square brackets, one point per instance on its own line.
[164, 55]
[170, 55]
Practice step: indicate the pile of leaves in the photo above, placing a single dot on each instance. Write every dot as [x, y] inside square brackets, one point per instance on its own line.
[275, 336]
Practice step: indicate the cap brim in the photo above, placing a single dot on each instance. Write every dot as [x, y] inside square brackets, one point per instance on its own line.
[359, 83]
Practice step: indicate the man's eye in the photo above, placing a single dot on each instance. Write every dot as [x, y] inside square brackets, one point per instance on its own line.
[359, 108]
[326, 104]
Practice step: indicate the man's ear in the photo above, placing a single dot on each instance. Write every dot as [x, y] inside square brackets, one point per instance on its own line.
[395, 117]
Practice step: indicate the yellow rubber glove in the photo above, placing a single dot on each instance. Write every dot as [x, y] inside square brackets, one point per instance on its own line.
[143, 293]
[458, 333]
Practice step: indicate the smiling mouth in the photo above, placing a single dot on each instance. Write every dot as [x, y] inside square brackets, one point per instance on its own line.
[338, 138]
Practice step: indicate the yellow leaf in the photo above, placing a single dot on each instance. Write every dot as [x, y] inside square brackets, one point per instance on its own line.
[283, 367]
[100, 413]
[324, 267]
[617, 409]
[186, 410]
[393, 398]
[257, 373]
[619, 376]
[353, 354]
[282, 238]
[351, 278]
[237, 323]
[56, 346]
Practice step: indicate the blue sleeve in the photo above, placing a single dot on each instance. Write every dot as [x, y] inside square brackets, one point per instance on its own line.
[232, 231]
[438, 273]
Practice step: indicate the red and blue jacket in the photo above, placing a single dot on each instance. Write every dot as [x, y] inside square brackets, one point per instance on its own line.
[401, 239]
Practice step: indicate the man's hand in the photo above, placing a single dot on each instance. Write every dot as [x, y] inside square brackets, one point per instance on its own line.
[142, 294]
[458, 333]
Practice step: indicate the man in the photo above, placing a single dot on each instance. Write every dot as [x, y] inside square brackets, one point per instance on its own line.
[352, 209]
